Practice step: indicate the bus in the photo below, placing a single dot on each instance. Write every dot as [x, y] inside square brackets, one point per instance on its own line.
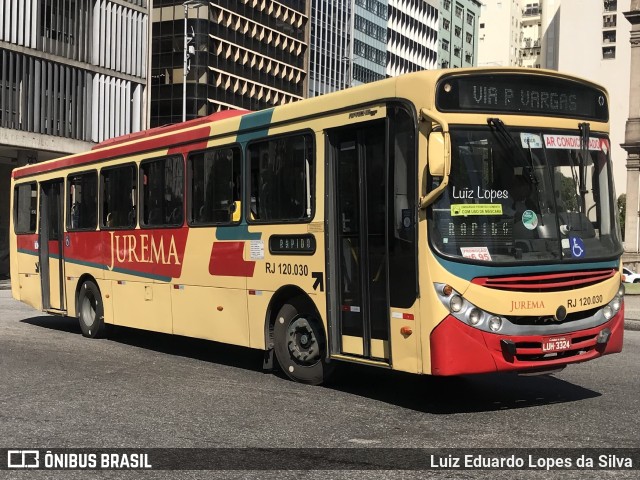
[444, 222]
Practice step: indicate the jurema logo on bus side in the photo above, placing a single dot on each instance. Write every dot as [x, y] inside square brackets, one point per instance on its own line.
[151, 252]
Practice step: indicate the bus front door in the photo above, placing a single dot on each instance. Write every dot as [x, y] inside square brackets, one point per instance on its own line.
[51, 256]
[359, 259]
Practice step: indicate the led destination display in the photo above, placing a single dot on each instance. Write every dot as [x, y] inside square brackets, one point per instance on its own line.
[513, 93]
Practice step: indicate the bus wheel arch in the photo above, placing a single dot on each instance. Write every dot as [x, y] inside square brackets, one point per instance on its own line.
[295, 334]
[90, 307]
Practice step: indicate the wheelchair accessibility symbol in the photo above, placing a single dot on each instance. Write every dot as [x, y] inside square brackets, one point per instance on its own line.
[577, 247]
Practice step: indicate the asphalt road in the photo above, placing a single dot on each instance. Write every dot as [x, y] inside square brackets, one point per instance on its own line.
[137, 389]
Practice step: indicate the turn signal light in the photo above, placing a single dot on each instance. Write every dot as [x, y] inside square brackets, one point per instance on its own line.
[406, 331]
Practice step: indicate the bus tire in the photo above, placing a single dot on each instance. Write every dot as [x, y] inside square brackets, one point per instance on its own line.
[91, 310]
[300, 344]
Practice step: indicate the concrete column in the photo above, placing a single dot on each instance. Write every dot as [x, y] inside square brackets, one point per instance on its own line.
[632, 140]
[24, 157]
[631, 237]
[5, 191]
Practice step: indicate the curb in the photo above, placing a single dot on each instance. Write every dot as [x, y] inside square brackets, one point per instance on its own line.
[631, 324]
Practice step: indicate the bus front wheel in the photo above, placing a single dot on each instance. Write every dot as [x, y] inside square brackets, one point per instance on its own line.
[300, 344]
[90, 310]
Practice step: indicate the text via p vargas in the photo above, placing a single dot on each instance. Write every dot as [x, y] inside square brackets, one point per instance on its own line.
[540, 459]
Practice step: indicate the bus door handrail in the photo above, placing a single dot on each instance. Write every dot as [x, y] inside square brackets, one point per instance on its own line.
[434, 117]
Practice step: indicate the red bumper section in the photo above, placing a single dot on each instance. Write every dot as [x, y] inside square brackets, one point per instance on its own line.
[459, 349]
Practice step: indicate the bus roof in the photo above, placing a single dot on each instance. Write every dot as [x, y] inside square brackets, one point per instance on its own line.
[199, 129]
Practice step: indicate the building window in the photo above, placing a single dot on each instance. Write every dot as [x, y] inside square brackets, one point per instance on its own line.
[456, 51]
[468, 57]
[482, 25]
[445, 45]
[82, 201]
[470, 19]
[458, 31]
[445, 63]
[609, 21]
[469, 37]
[446, 4]
[610, 5]
[446, 24]
[458, 11]
[609, 36]
[608, 53]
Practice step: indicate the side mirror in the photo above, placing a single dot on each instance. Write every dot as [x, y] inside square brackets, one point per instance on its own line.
[439, 154]
[436, 154]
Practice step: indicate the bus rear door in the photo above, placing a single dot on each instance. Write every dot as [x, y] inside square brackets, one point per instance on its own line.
[51, 256]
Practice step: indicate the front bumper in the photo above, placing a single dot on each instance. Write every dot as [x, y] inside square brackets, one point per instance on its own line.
[459, 349]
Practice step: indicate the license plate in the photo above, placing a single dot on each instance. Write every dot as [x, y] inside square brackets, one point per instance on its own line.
[555, 344]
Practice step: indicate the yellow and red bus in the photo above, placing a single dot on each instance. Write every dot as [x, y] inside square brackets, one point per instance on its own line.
[442, 222]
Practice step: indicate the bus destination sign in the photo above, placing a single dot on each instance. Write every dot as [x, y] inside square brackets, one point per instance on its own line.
[292, 244]
[522, 94]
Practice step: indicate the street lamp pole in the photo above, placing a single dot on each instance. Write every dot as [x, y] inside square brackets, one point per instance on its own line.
[187, 52]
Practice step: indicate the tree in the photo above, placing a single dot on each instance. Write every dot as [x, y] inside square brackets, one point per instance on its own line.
[622, 210]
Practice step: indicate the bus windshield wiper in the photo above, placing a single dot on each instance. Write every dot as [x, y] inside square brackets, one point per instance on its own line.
[584, 155]
[511, 144]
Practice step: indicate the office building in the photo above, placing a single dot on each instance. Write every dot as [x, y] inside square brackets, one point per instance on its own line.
[71, 73]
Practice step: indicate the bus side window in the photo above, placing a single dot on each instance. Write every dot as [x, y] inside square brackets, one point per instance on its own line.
[82, 201]
[162, 191]
[25, 205]
[215, 186]
[118, 186]
[281, 178]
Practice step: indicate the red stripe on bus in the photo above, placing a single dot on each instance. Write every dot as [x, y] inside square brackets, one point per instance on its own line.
[226, 260]
[154, 143]
[169, 128]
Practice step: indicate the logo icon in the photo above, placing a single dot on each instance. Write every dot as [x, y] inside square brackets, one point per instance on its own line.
[23, 459]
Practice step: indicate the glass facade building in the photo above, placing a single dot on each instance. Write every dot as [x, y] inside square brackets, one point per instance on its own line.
[242, 54]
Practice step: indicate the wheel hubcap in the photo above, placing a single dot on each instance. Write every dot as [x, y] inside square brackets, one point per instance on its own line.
[89, 306]
[303, 344]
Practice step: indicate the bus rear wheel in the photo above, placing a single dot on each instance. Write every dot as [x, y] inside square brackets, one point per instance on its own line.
[90, 310]
[300, 344]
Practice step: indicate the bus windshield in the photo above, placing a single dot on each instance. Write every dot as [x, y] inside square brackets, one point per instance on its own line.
[526, 196]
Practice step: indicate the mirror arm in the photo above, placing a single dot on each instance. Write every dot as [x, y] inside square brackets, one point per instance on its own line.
[429, 115]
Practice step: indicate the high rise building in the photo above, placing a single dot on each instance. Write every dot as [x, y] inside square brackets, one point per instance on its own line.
[458, 36]
[531, 36]
[71, 73]
[412, 42]
[331, 52]
[594, 43]
[240, 54]
[499, 33]
[369, 53]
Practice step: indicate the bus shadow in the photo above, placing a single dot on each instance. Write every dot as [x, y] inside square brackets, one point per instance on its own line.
[436, 395]
[53, 322]
[204, 350]
[464, 394]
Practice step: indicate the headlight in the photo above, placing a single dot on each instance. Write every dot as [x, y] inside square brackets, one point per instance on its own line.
[455, 304]
[495, 323]
[615, 304]
[620, 291]
[607, 311]
[475, 316]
